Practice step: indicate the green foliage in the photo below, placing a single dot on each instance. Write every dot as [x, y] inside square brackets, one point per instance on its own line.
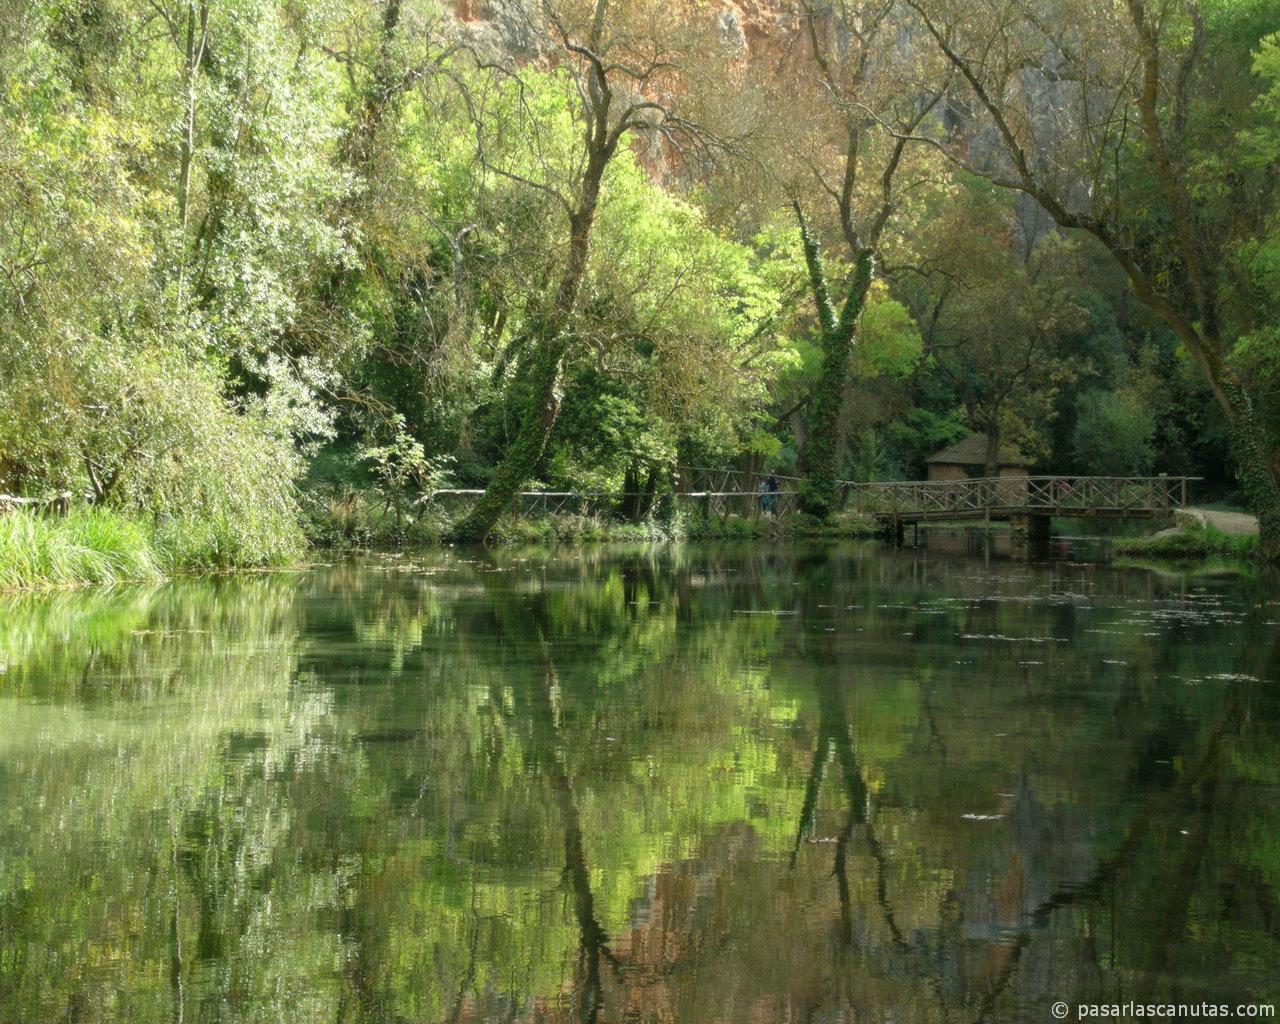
[400, 468]
[1189, 544]
[337, 228]
[345, 518]
[87, 546]
[889, 342]
[1113, 435]
[144, 368]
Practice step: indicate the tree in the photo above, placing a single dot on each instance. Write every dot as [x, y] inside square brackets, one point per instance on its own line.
[1113, 121]
[676, 342]
[996, 318]
[855, 169]
[610, 72]
[114, 378]
[1114, 434]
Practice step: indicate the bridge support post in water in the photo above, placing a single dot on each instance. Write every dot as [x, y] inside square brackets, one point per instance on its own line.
[1029, 536]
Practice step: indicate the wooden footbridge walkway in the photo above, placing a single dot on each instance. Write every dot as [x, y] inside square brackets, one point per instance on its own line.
[1029, 501]
[1011, 497]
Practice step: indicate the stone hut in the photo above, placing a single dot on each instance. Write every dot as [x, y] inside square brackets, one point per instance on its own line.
[967, 459]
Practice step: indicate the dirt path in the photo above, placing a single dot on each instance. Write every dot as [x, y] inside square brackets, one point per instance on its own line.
[1228, 522]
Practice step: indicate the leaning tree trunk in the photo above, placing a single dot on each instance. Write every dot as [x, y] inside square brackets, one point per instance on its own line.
[536, 420]
[550, 344]
[818, 495]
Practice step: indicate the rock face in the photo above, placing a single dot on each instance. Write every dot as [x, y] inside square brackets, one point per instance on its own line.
[771, 37]
[501, 28]
[515, 28]
[757, 29]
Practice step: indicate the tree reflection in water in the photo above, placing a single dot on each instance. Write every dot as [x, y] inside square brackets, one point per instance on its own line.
[653, 785]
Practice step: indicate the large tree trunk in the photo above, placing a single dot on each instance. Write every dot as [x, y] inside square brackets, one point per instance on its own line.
[818, 495]
[1256, 471]
[543, 405]
[536, 420]
[992, 466]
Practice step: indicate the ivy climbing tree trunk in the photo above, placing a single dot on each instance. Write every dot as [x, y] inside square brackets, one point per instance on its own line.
[603, 130]
[818, 495]
[537, 417]
[550, 342]
[845, 63]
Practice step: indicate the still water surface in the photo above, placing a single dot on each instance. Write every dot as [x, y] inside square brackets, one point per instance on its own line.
[676, 784]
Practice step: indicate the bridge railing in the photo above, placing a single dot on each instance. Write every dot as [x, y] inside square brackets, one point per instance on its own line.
[698, 479]
[919, 499]
[1048, 495]
[720, 503]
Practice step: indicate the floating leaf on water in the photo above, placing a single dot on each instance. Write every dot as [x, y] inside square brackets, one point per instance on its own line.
[1014, 639]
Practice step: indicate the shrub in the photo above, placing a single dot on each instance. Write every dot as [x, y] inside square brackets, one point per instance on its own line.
[148, 432]
[1114, 434]
[1190, 544]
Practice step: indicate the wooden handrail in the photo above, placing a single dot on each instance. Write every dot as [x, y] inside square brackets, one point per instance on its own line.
[935, 499]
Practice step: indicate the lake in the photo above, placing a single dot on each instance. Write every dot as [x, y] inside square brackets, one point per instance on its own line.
[723, 783]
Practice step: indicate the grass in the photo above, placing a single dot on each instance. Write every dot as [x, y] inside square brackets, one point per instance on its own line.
[88, 545]
[1189, 544]
[571, 528]
[348, 518]
[93, 545]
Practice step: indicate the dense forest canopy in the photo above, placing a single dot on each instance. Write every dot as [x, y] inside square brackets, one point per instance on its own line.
[252, 244]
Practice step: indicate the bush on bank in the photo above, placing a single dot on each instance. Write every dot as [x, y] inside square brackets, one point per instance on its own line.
[1191, 543]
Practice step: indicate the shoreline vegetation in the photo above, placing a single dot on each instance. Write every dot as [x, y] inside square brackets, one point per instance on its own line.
[1188, 544]
[93, 545]
[397, 250]
[348, 518]
[99, 546]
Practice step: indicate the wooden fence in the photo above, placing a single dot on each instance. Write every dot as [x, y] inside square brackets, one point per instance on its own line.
[1004, 496]
[719, 503]
[912, 500]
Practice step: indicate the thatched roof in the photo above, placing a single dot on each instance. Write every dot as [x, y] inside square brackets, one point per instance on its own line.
[972, 451]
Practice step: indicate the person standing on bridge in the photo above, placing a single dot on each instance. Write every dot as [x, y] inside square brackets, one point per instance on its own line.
[772, 488]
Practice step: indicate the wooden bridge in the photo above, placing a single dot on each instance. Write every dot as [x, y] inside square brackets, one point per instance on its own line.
[1029, 502]
[1010, 497]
